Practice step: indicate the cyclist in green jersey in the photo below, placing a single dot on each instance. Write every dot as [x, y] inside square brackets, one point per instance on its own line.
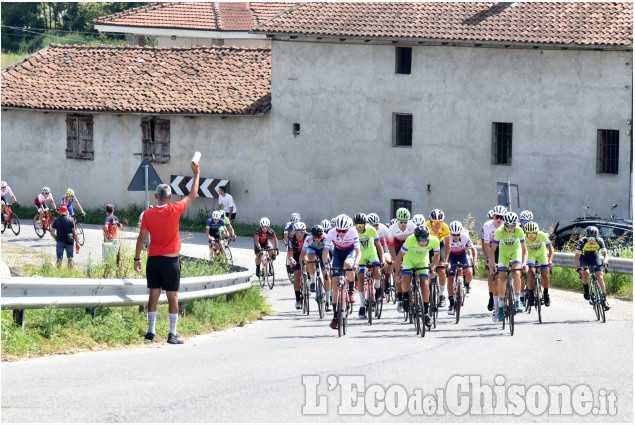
[414, 253]
[370, 246]
[537, 246]
[510, 239]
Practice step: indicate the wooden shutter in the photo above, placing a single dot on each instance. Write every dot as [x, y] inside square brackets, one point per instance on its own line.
[162, 141]
[71, 136]
[85, 133]
[146, 138]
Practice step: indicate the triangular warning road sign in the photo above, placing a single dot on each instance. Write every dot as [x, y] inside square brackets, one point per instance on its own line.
[137, 184]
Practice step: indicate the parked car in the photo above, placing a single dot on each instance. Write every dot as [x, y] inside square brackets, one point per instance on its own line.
[616, 232]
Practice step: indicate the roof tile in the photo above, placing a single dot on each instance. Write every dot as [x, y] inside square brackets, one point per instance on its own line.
[204, 80]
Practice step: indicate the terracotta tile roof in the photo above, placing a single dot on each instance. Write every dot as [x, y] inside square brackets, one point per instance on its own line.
[569, 23]
[196, 80]
[208, 16]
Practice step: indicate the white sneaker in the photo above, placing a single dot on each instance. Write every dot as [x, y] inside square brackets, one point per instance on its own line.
[495, 316]
[400, 307]
[298, 304]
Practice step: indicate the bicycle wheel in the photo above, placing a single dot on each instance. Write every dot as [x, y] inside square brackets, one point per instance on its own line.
[602, 313]
[4, 225]
[289, 271]
[307, 297]
[319, 295]
[340, 309]
[39, 230]
[512, 311]
[380, 306]
[538, 299]
[264, 272]
[419, 311]
[370, 301]
[595, 299]
[272, 276]
[80, 233]
[14, 223]
[415, 317]
[228, 255]
[433, 306]
[393, 287]
[458, 298]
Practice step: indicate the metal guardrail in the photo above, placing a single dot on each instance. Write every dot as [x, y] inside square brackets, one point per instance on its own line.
[20, 293]
[565, 259]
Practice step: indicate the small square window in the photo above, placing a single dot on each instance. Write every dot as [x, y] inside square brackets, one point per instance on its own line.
[403, 60]
[608, 151]
[402, 130]
[502, 143]
[395, 204]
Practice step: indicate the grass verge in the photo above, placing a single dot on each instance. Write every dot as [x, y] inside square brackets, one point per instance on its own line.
[65, 331]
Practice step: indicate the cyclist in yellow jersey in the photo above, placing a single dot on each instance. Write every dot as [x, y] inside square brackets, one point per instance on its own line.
[439, 229]
[587, 255]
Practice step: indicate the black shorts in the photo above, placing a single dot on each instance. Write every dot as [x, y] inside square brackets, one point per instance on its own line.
[164, 273]
[296, 257]
[441, 253]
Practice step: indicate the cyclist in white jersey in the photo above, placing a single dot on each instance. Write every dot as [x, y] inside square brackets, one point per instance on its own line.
[461, 251]
[399, 232]
[40, 202]
[487, 240]
[384, 237]
[6, 191]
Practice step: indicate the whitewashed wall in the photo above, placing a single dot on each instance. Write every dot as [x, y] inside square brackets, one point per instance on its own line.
[344, 95]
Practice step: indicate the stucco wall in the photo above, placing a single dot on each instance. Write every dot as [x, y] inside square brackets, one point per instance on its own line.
[34, 143]
[344, 95]
[194, 42]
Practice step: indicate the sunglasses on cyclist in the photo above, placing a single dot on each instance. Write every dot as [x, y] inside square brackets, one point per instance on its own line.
[403, 221]
[456, 234]
[300, 231]
[436, 223]
[422, 239]
[532, 234]
[498, 217]
[512, 226]
[524, 221]
[341, 231]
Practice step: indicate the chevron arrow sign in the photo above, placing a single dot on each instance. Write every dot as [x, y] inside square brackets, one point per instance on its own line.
[208, 188]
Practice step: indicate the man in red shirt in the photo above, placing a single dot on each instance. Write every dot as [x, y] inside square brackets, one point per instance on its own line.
[163, 269]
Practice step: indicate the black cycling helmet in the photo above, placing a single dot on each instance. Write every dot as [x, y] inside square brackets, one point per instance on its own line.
[592, 232]
[317, 230]
[360, 219]
[422, 232]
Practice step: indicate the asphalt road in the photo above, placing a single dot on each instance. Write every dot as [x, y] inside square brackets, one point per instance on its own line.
[288, 367]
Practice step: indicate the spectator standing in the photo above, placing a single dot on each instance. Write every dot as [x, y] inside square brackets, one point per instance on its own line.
[163, 269]
[64, 233]
[226, 203]
[112, 223]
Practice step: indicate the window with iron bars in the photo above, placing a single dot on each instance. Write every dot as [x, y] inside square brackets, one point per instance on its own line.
[502, 143]
[608, 151]
[399, 203]
[402, 130]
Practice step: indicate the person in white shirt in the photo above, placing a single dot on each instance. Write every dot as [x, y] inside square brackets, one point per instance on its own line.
[226, 203]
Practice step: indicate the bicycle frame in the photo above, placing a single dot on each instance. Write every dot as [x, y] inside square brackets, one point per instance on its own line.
[416, 311]
[344, 306]
[459, 289]
[595, 295]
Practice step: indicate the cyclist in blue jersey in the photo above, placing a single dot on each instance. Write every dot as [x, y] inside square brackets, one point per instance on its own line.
[68, 200]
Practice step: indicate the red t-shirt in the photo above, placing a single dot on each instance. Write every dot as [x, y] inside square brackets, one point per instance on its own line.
[163, 224]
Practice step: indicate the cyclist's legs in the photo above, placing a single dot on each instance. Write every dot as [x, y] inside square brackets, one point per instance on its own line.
[297, 272]
[530, 275]
[425, 287]
[442, 273]
[492, 282]
[588, 262]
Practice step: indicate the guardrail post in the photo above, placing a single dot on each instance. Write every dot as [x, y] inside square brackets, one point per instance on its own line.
[18, 317]
[182, 308]
[92, 311]
[143, 309]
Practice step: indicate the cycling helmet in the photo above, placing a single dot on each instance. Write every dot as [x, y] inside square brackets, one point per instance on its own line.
[333, 220]
[437, 215]
[499, 210]
[456, 227]
[222, 213]
[490, 214]
[510, 219]
[373, 219]
[393, 221]
[419, 219]
[295, 217]
[264, 222]
[531, 227]
[326, 224]
[422, 232]
[343, 222]
[217, 215]
[317, 230]
[3, 184]
[592, 232]
[403, 214]
[299, 226]
[70, 192]
[46, 190]
[526, 215]
[360, 219]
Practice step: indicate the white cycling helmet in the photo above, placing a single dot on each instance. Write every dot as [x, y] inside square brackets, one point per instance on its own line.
[217, 215]
[526, 215]
[299, 226]
[373, 219]
[490, 214]
[343, 222]
[437, 215]
[264, 222]
[393, 221]
[45, 190]
[326, 224]
[419, 219]
[499, 210]
[456, 227]
[510, 219]
[295, 217]
[3, 184]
